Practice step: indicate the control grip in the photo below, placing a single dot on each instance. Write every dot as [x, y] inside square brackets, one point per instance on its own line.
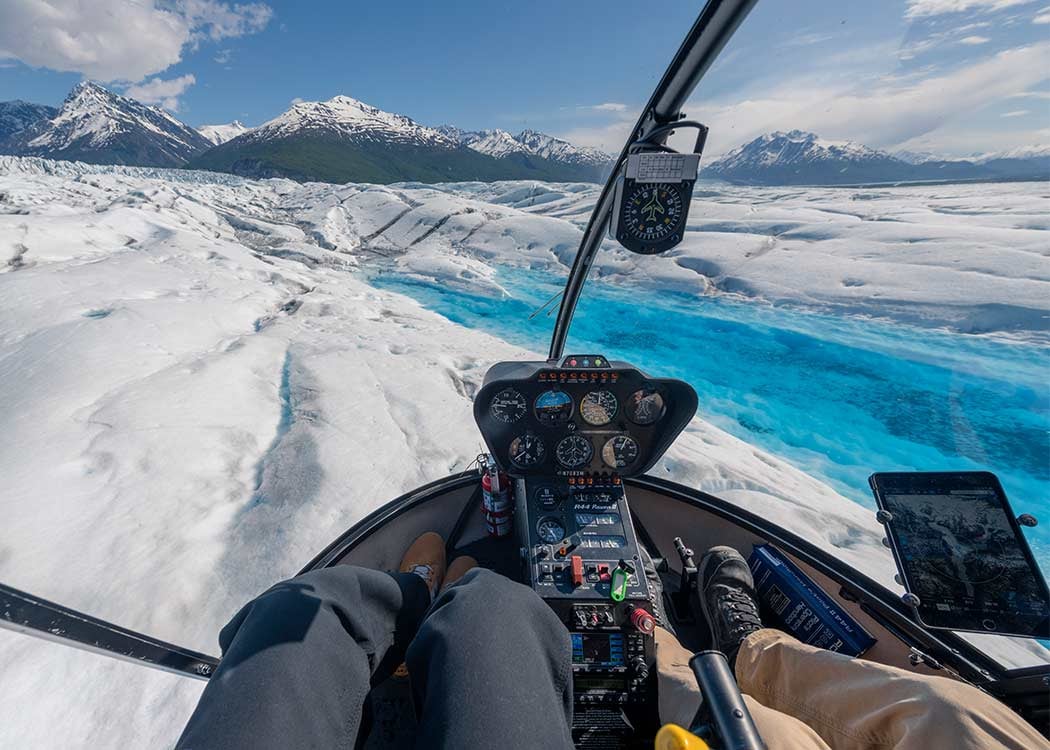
[723, 709]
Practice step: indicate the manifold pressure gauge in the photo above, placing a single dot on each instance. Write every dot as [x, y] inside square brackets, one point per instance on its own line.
[652, 201]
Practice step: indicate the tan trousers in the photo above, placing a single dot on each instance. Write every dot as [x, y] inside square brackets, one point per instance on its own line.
[806, 698]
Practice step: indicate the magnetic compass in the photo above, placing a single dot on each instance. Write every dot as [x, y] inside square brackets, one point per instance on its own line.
[652, 213]
[652, 201]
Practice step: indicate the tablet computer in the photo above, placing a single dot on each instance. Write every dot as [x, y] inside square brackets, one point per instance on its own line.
[961, 553]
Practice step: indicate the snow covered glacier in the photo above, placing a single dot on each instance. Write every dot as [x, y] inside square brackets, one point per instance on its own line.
[199, 388]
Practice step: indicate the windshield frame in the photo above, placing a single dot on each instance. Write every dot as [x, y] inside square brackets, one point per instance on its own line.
[716, 24]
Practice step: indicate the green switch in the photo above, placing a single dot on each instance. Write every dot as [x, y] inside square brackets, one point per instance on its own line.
[619, 585]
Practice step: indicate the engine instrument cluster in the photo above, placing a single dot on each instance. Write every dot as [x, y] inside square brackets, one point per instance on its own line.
[586, 417]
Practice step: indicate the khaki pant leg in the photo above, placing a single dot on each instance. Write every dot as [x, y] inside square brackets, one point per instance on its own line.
[680, 697]
[855, 704]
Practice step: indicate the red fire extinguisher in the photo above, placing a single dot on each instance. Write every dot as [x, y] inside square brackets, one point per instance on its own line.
[497, 502]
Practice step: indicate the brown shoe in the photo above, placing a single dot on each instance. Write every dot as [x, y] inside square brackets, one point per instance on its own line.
[458, 569]
[426, 558]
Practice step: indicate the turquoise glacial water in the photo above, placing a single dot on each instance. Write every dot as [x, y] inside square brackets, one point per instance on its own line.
[837, 397]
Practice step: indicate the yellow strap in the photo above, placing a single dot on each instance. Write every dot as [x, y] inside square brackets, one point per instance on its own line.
[673, 737]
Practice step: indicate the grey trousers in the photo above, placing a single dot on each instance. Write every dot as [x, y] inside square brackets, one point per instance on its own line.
[490, 664]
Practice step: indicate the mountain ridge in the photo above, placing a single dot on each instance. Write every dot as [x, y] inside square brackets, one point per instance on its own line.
[799, 157]
[97, 126]
[344, 139]
[219, 134]
[17, 115]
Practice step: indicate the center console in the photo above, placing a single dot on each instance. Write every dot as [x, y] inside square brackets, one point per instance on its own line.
[583, 559]
[569, 433]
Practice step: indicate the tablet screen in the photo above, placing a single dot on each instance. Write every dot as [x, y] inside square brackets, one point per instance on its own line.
[961, 553]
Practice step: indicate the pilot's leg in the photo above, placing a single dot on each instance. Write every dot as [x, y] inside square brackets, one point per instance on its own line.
[680, 697]
[492, 668]
[297, 661]
[853, 703]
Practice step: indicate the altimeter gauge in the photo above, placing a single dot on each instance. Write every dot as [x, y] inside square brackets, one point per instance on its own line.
[598, 408]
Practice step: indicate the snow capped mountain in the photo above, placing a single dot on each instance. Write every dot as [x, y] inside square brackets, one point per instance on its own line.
[495, 143]
[16, 116]
[500, 143]
[221, 133]
[556, 149]
[917, 157]
[1040, 151]
[348, 118]
[796, 149]
[344, 139]
[95, 125]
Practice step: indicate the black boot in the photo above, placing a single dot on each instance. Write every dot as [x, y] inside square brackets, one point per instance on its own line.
[727, 596]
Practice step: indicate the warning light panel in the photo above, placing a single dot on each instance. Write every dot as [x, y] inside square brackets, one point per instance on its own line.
[586, 361]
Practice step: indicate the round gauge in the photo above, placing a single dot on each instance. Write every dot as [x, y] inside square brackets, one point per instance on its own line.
[598, 408]
[620, 452]
[645, 406]
[550, 529]
[547, 498]
[574, 451]
[553, 407]
[526, 450]
[652, 212]
[508, 406]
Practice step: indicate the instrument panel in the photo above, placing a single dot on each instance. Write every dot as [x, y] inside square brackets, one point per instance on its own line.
[585, 417]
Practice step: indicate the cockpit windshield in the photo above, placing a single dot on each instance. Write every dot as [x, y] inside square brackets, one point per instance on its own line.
[863, 283]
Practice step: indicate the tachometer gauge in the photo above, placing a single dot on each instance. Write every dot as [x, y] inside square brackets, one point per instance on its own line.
[526, 450]
[645, 406]
[652, 212]
[574, 451]
[598, 408]
[553, 407]
[508, 406]
[620, 452]
[550, 529]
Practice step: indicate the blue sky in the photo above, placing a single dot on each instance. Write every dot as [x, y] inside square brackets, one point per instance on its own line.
[951, 76]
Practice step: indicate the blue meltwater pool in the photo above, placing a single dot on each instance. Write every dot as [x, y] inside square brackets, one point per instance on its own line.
[837, 397]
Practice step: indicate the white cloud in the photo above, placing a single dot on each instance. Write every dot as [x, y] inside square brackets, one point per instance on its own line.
[223, 56]
[163, 92]
[218, 20]
[1015, 113]
[1042, 16]
[923, 8]
[605, 107]
[974, 40]
[298, 100]
[806, 40]
[118, 39]
[881, 112]
[926, 108]
[609, 137]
